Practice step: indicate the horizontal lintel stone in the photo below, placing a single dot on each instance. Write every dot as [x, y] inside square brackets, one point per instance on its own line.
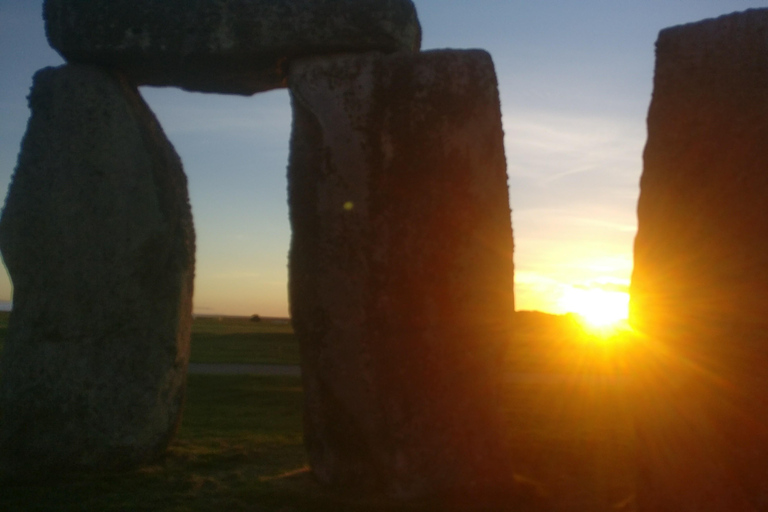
[223, 46]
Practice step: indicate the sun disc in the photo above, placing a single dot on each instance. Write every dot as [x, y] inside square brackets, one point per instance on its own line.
[599, 308]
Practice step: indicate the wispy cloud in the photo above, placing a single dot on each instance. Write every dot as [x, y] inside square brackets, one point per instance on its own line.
[547, 147]
[573, 186]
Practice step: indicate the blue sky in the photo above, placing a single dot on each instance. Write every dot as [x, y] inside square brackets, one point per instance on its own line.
[575, 81]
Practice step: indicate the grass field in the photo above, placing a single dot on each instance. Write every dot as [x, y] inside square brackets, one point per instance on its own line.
[240, 448]
[238, 340]
[231, 340]
[3, 328]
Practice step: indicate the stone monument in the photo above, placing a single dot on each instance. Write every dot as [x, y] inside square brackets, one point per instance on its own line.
[97, 236]
[401, 263]
[224, 46]
[401, 272]
[700, 283]
[97, 231]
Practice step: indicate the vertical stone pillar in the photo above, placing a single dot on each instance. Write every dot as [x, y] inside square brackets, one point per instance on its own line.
[700, 283]
[401, 271]
[97, 236]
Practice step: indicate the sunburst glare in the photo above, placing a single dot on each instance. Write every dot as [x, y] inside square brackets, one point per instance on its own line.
[599, 308]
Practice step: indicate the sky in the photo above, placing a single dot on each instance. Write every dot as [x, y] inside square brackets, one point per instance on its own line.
[575, 82]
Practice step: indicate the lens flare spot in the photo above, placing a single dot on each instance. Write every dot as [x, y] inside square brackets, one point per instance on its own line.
[349, 206]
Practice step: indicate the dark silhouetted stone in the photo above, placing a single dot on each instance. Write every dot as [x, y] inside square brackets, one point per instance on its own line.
[97, 236]
[401, 270]
[700, 284]
[226, 46]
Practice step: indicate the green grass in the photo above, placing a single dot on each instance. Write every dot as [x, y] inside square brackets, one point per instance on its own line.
[4, 315]
[238, 340]
[240, 449]
[239, 442]
[231, 340]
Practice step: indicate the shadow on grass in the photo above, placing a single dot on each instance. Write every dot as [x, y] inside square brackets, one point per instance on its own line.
[239, 449]
[240, 446]
[239, 435]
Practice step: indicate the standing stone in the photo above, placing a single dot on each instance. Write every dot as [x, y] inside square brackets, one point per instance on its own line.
[401, 272]
[225, 46]
[97, 236]
[700, 283]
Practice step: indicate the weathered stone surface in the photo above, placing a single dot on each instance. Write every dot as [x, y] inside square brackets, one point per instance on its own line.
[401, 270]
[97, 237]
[701, 270]
[227, 46]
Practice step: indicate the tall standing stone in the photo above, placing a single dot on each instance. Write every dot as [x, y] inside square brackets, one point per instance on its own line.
[97, 236]
[225, 46]
[700, 283]
[401, 270]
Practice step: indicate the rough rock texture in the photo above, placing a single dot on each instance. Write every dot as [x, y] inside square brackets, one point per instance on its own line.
[97, 236]
[401, 270]
[700, 284]
[226, 46]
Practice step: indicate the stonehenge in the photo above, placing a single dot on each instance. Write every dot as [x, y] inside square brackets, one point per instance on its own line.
[401, 268]
[698, 292]
[401, 272]
[223, 46]
[97, 236]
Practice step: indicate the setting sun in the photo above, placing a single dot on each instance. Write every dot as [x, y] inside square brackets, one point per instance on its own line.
[598, 307]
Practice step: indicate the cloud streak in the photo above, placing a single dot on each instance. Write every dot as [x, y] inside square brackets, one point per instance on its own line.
[574, 187]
